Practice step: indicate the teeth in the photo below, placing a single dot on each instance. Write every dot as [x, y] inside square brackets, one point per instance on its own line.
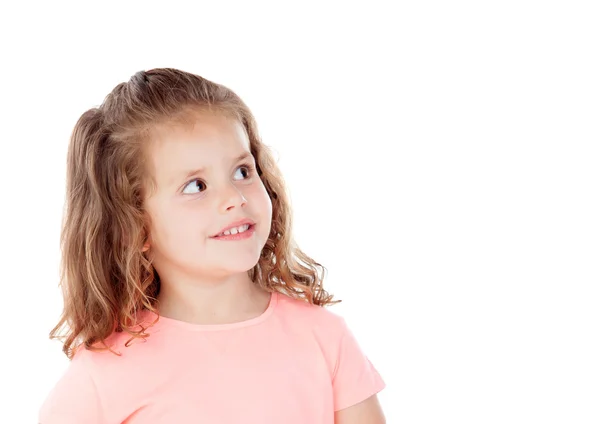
[235, 230]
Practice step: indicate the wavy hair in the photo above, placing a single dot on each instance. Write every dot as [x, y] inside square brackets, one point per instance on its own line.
[106, 279]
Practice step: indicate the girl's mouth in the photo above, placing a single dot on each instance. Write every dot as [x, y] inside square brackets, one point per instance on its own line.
[237, 233]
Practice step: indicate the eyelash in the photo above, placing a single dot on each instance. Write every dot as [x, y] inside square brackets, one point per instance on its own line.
[251, 171]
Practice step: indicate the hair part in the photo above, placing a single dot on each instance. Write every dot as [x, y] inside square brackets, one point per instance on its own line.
[106, 279]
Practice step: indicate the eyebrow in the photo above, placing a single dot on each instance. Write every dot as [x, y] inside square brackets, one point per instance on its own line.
[197, 171]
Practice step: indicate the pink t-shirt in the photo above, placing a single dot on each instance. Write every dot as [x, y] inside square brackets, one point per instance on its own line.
[295, 363]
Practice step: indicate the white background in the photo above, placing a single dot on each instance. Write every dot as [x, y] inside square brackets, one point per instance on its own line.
[442, 158]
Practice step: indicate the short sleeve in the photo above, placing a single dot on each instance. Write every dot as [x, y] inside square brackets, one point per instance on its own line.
[355, 379]
[74, 398]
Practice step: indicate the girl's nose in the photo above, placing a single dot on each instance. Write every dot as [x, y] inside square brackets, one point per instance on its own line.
[232, 198]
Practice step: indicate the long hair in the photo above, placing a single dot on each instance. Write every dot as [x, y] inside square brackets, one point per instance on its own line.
[105, 277]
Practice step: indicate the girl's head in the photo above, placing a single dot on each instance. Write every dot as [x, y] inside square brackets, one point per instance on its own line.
[163, 165]
[203, 181]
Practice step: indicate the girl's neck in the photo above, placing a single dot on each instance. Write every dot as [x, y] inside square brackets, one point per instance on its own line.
[230, 300]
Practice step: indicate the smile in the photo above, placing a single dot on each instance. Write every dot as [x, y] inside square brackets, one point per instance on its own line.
[236, 233]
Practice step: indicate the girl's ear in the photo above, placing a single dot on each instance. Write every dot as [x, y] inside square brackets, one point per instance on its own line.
[147, 243]
[147, 236]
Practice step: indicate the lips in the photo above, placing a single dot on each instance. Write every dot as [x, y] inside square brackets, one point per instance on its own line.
[233, 225]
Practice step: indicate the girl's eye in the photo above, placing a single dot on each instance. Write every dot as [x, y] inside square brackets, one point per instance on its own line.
[194, 186]
[246, 171]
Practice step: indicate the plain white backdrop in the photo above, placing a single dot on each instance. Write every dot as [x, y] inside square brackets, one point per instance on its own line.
[442, 157]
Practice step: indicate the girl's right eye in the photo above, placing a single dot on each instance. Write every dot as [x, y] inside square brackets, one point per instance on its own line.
[194, 186]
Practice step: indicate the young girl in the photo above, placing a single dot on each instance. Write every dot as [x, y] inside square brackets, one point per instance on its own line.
[186, 298]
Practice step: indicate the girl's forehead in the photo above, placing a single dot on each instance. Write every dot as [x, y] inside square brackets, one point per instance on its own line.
[198, 124]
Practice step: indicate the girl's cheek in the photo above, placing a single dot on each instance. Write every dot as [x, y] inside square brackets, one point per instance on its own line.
[260, 192]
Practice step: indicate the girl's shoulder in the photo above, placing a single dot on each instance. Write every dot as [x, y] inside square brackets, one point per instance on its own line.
[353, 376]
[301, 306]
[320, 319]
[99, 384]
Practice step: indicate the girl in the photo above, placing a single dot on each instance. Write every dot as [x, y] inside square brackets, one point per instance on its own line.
[186, 299]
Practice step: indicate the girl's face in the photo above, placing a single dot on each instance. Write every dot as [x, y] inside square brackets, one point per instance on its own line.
[206, 180]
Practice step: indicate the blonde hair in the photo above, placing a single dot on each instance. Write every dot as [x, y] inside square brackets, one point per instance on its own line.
[105, 277]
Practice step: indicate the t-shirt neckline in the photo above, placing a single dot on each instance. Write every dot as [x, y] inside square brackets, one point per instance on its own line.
[171, 322]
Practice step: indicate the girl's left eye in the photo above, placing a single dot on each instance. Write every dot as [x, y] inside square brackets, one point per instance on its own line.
[246, 171]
